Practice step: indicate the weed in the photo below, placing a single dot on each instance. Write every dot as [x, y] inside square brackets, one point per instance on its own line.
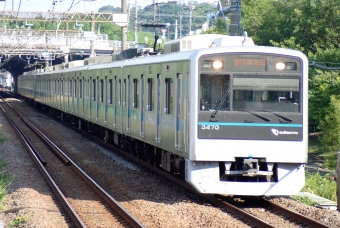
[324, 186]
[16, 222]
[305, 200]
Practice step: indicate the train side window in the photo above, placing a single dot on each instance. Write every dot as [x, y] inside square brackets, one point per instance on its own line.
[94, 90]
[80, 88]
[110, 91]
[150, 94]
[75, 88]
[62, 87]
[168, 109]
[119, 93]
[135, 93]
[124, 92]
[70, 88]
[101, 90]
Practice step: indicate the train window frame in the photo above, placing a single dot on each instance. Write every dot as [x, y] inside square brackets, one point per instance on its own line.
[120, 92]
[80, 88]
[168, 95]
[124, 92]
[75, 88]
[110, 85]
[135, 93]
[101, 90]
[151, 83]
[94, 90]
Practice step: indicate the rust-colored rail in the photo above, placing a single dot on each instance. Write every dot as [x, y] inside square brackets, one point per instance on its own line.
[293, 215]
[67, 161]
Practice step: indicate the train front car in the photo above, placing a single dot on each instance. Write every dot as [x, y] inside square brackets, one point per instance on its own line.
[249, 120]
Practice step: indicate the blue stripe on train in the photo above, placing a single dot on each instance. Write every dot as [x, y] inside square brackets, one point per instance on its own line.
[249, 124]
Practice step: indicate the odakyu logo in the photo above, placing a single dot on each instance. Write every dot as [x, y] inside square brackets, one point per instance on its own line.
[277, 132]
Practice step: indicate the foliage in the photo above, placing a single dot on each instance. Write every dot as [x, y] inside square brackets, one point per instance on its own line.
[2, 138]
[5, 180]
[305, 200]
[330, 125]
[18, 221]
[322, 85]
[324, 186]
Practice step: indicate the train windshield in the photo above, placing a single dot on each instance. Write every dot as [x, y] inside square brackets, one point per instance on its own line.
[275, 94]
[214, 92]
[253, 93]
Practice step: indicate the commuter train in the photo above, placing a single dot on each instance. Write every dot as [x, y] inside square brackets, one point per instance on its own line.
[231, 117]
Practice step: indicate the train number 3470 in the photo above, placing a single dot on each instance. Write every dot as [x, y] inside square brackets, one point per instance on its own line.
[210, 127]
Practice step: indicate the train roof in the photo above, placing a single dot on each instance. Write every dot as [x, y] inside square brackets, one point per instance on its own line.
[180, 56]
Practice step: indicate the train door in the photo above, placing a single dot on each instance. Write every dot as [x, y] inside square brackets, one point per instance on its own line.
[90, 96]
[125, 120]
[74, 95]
[158, 108]
[116, 96]
[178, 134]
[109, 111]
[81, 96]
[69, 95]
[124, 105]
[77, 94]
[142, 123]
[98, 100]
[87, 97]
[118, 103]
[106, 100]
[128, 104]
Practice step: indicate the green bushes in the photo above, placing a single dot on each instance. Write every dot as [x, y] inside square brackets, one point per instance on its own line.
[324, 186]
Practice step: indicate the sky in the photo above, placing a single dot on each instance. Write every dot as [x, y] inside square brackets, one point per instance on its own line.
[78, 5]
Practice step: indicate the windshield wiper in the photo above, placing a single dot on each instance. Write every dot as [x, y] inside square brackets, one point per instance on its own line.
[279, 115]
[255, 114]
[219, 106]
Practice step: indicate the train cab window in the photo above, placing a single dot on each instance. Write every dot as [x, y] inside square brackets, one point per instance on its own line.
[256, 93]
[101, 90]
[135, 93]
[214, 92]
[168, 96]
[151, 93]
[110, 91]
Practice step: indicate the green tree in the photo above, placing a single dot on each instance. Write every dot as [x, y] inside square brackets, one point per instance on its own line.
[330, 127]
[322, 85]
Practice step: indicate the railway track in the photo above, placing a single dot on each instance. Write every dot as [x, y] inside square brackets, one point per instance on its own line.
[81, 198]
[292, 217]
[238, 211]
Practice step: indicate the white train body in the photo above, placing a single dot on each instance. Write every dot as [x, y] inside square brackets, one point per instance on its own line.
[233, 119]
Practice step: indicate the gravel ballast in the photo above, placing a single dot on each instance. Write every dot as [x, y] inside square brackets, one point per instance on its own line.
[155, 201]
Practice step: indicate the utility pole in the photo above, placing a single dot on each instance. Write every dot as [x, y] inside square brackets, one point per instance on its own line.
[92, 54]
[180, 26]
[176, 30]
[124, 29]
[191, 9]
[136, 35]
[154, 12]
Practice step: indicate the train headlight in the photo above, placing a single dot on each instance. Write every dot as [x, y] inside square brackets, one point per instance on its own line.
[217, 64]
[280, 66]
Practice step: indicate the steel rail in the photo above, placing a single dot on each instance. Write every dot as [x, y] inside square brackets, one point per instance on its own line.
[291, 214]
[53, 186]
[214, 199]
[228, 207]
[97, 188]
